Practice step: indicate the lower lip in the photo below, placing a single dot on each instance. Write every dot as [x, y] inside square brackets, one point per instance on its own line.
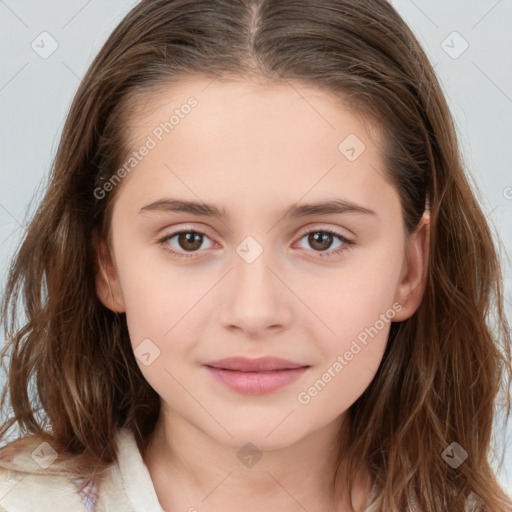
[256, 383]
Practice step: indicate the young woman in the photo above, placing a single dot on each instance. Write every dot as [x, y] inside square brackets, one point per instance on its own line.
[258, 279]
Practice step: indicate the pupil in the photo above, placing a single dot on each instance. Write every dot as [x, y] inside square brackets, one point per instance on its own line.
[320, 240]
[190, 241]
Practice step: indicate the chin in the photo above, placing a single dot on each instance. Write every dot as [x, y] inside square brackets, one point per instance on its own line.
[265, 436]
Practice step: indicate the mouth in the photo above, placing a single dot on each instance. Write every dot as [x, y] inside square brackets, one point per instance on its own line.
[262, 364]
[252, 371]
[255, 376]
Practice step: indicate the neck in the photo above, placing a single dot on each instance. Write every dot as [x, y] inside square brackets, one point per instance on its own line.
[193, 472]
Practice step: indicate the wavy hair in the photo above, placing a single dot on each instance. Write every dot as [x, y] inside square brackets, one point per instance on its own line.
[444, 368]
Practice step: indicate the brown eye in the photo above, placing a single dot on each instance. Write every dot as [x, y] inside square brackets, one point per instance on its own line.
[185, 242]
[190, 241]
[321, 240]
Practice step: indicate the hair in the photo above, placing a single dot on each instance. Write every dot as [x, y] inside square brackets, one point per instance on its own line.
[443, 368]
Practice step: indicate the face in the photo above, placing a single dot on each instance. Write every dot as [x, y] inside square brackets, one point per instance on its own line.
[260, 272]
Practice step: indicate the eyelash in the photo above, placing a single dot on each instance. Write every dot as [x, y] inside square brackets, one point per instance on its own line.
[347, 244]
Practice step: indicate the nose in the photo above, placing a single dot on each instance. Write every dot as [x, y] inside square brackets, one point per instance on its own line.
[255, 300]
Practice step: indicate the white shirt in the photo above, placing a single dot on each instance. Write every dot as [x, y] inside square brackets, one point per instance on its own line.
[27, 487]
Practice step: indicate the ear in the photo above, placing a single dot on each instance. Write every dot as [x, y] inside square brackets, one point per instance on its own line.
[108, 287]
[414, 271]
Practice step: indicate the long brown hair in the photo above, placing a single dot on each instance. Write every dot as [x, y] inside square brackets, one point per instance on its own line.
[443, 368]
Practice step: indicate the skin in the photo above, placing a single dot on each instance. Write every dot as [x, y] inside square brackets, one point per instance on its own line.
[254, 149]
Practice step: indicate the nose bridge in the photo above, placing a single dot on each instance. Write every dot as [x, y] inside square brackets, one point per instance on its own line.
[256, 297]
[252, 279]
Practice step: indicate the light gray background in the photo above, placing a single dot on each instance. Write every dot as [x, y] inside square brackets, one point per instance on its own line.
[36, 92]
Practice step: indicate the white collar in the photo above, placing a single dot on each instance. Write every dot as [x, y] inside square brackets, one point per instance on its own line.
[134, 474]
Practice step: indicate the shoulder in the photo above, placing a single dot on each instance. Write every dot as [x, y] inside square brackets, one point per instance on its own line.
[34, 477]
[30, 480]
[24, 492]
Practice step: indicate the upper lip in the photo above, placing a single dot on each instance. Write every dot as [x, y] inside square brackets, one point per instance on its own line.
[261, 364]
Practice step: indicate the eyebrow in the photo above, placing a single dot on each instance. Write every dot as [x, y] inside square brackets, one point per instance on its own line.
[294, 210]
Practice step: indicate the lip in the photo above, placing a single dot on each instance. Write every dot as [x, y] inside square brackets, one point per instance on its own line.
[261, 364]
[255, 376]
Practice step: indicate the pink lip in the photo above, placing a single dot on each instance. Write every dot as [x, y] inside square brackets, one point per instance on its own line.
[255, 376]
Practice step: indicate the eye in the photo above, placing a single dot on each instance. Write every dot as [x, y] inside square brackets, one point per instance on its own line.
[322, 239]
[188, 242]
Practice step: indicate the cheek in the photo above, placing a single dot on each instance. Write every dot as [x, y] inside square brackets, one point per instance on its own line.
[356, 306]
[158, 294]
[163, 313]
[354, 296]
[359, 315]
[345, 376]
[159, 316]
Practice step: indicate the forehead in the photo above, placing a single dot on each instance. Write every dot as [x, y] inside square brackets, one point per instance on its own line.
[256, 109]
[258, 139]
